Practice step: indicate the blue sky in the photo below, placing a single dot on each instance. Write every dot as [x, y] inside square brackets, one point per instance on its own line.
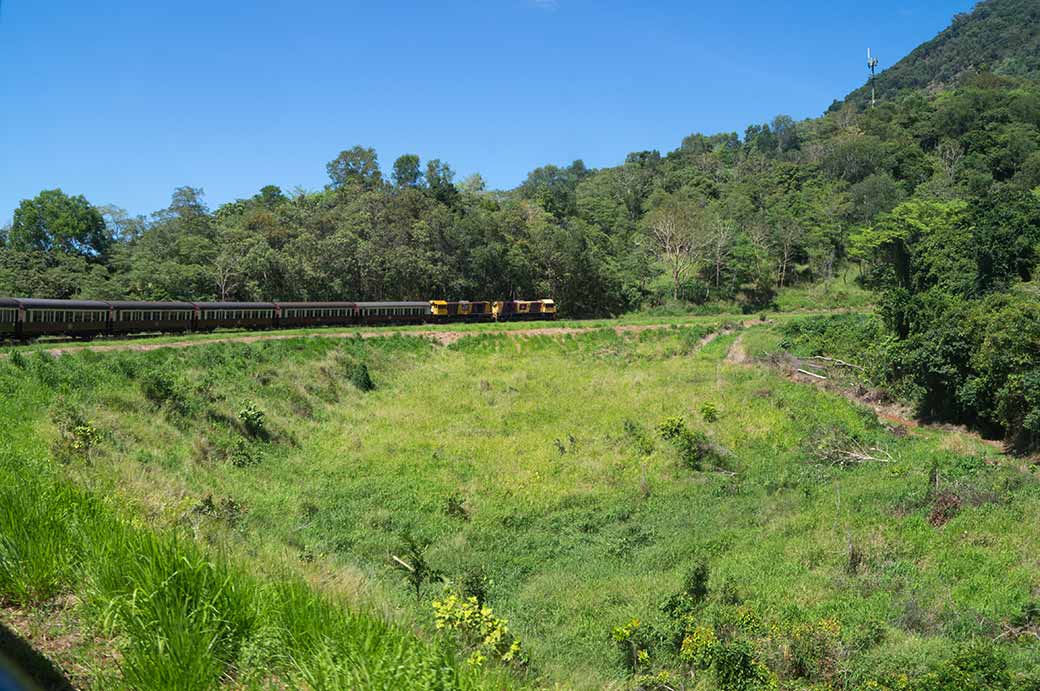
[123, 100]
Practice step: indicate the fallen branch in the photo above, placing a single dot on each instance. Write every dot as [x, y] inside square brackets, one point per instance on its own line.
[1018, 632]
[403, 563]
[836, 361]
[811, 374]
[722, 471]
[862, 455]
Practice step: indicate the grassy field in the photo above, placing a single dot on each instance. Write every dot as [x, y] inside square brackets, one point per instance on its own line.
[836, 552]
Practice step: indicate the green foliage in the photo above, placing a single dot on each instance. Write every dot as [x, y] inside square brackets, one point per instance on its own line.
[159, 387]
[694, 447]
[680, 606]
[242, 455]
[413, 564]
[709, 412]
[633, 645]
[475, 627]
[995, 37]
[455, 506]
[360, 377]
[253, 420]
[571, 544]
[55, 222]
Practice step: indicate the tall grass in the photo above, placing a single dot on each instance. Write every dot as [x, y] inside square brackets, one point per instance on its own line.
[181, 616]
[190, 620]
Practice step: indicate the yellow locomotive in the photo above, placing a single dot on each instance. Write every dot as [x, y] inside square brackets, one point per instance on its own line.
[515, 310]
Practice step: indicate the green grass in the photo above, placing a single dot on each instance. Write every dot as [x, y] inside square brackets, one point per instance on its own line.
[181, 616]
[835, 294]
[578, 514]
[224, 334]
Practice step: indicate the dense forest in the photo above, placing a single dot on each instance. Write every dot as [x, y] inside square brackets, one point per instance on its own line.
[934, 194]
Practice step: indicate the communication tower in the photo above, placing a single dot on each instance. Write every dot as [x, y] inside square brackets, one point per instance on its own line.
[872, 64]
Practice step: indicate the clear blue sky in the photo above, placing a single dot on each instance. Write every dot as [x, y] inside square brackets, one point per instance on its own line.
[123, 100]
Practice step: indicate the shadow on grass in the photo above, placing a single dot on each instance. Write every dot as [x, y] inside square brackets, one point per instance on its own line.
[22, 668]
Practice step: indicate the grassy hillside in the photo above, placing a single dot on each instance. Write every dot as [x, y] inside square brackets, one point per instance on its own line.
[999, 36]
[549, 477]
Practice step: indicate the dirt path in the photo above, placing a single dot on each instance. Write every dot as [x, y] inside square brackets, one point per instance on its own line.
[897, 415]
[441, 337]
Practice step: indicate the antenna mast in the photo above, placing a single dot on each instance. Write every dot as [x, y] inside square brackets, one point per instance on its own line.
[872, 63]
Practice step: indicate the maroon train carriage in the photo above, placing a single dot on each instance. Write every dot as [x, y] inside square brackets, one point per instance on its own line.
[234, 315]
[144, 317]
[9, 310]
[292, 314]
[393, 312]
[77, 318]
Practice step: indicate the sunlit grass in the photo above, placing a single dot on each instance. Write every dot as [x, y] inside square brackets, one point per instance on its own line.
[577, 527]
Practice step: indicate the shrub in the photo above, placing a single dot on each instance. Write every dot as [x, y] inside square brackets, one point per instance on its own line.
[162, 389]
[360, 377]
[814, 651]
[633, 645]
[474, 582]
[733, 663]
[475, 628]
[455, 507]
[78, 437]
[694, 592]
[634, 431]
[226, 509]
[709, 412]
[242, 455]
[253, 420]
[416, 569]
[158, 386]
[693, 446]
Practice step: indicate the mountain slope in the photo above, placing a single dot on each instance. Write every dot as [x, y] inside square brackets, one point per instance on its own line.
[1000, 36]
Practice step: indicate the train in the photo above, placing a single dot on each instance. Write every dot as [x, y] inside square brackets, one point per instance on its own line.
[24, 319]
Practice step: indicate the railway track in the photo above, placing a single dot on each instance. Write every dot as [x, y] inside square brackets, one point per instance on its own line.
[441, 337]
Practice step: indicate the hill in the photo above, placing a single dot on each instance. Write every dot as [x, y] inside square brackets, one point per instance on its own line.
[998, 36]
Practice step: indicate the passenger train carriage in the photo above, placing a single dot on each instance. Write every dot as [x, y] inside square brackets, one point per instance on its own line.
[26, 318]
[136, 317]
[9, 317]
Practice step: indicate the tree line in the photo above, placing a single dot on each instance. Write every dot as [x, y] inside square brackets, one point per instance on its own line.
[724, 216]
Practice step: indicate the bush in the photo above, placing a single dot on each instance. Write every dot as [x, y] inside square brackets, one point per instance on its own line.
[733, 663]
[683, 605]
[253, 420]
[474, 582]
[633, 645]
[709, 412]
[162, 389]
[242, 455]
[634, 431]
[694, 447]
[416, 569]
[158, 386]
[360, 377]
[476, 628]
